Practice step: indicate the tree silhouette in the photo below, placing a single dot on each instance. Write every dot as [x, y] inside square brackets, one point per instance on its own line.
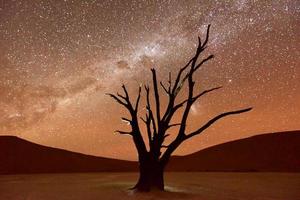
[152, 161]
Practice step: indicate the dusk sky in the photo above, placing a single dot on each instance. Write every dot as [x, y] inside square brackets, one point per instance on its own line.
[59, 58]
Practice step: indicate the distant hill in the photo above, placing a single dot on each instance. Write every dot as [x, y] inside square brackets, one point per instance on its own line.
[267, 152]
[21, 156]
[278, 152]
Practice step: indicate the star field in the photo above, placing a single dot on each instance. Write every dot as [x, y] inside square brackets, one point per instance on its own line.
[59, 58]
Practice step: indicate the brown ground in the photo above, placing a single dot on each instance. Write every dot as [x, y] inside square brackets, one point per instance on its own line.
[180, 185]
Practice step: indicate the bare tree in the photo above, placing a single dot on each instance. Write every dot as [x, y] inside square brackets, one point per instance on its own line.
[152, 161]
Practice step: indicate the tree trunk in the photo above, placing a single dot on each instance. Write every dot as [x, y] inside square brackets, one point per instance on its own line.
[151, 176]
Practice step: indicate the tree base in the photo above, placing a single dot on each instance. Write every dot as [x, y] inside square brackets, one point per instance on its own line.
[147, 188]
[151, 178]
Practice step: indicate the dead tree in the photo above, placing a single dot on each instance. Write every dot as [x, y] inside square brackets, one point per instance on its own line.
[153, 160]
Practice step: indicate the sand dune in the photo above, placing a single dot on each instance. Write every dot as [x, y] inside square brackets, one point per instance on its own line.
[21, 156]
[268, 152]
[275, 152]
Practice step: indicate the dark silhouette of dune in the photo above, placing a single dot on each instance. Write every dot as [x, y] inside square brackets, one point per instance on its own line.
[268, 152]
[21, 156]
[273, 152]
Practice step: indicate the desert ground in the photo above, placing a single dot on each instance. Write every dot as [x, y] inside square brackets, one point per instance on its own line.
[179, 185]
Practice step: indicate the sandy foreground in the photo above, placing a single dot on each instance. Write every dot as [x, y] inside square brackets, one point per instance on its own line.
[179, 185]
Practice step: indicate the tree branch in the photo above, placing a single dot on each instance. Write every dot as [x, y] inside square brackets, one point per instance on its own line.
[156, 95]
[170, 82]
[149, 110]
[179, 76]
[117, 99]
[126, 120]
[165, 89]
[126, 93]
[121, 96]
[147, 122]
[172, 125]
[213, 120]
[138, 99]
[124, 132]
[204, 61]
[198, 96]
[205, 92]
[207, 37]
[191, 82]
[137, 137]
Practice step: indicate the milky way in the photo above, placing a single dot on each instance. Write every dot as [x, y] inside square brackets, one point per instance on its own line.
[59, 58]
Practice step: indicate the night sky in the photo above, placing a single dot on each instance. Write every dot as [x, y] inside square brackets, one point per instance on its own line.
[59, 58]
